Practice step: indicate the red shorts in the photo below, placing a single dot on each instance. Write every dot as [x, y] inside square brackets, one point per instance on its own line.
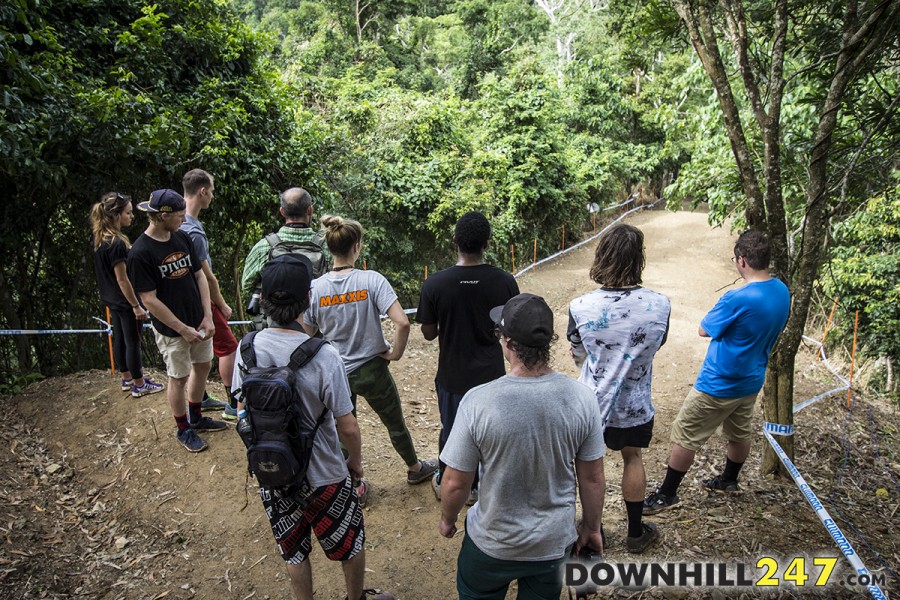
[224, 342]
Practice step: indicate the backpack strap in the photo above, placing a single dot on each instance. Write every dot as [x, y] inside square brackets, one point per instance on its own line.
[305, 352]
[319, 238]
[273, 239]
[302, 355]
[248, 354]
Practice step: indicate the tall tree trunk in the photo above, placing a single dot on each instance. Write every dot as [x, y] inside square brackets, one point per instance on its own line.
[700, 28]
[858, 42]
[23, 347]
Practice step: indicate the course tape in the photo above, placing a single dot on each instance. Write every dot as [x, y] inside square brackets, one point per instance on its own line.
[776, 429]
[843, 388]
[588, 240]
[839, 539]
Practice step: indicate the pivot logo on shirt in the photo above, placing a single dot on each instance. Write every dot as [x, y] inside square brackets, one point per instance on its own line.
[175, 265]
[347, 298]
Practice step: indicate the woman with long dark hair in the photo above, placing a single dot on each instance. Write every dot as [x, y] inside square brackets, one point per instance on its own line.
[108, 216]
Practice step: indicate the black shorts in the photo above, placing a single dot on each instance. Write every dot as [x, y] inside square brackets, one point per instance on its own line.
[617, 438]
[331, 512]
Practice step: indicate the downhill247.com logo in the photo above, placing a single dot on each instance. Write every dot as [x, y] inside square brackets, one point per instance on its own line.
[799, 571]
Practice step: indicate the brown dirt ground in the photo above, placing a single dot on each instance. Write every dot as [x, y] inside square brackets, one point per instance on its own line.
[98, 501]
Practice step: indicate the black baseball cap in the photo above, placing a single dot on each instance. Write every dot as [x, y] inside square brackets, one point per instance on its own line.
[286, 279]
[526, 319]
[163, 201]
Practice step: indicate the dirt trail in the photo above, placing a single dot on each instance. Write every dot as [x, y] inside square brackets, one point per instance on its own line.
[129, 514]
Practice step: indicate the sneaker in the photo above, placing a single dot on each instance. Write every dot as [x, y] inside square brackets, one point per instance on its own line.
[191, 441]
[149, 387]
[658, 502]
[229, 414]
[636, 545]
[373, 594]
[207, 424]
[427, 468]
[212, 403]
[473, 498]
[721, 485]
[362, 490]
[126, 384]
[436, 485]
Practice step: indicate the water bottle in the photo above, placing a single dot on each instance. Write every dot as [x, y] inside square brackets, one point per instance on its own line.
[253, 305]
[244, 429]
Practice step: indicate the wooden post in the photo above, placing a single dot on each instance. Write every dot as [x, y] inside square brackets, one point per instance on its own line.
[594, 219]
[112, 362]
[535, 252]
[512, 254]
[564, 237]
[827, 326]
[852, 358]
[426, 271]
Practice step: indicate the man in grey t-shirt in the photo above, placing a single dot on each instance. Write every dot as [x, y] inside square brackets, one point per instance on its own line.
[325, 501]
[530, 432]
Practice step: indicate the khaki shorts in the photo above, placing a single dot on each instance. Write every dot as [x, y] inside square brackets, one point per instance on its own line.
[180, 355]
[701, 415]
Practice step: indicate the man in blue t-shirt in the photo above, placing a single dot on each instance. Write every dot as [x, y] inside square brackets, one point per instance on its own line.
[744, 325]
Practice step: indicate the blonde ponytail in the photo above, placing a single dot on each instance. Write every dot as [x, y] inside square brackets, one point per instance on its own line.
[105, 219]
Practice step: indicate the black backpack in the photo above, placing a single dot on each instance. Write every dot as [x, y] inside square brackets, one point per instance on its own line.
[279, 446]
[311, 249]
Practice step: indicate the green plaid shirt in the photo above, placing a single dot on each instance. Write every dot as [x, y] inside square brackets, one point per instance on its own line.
[259, 255]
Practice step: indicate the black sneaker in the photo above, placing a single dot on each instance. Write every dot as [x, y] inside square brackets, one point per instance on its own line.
[636, 545]
[721, 485]
[191, 441]
[208, 424]
[658, 502]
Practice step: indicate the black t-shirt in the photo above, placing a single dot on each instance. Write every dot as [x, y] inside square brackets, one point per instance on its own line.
[106, 257]
[168, 268]
[459, 300]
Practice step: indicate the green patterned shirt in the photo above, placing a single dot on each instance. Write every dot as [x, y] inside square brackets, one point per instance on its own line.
[259, 255]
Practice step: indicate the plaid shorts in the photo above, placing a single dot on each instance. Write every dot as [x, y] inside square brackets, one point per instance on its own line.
[332, 511]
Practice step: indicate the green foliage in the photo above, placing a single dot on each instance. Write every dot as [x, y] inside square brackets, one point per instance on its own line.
[864, 273]
[120, 95]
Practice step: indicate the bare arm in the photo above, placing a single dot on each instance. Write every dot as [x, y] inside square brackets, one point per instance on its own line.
[401, 332]
[430, 331]
[592, 489]
[125, 285]
[163, 314]
[215, 293]
[207, 323]
[702, 332]
[455, 486]
[348, 432]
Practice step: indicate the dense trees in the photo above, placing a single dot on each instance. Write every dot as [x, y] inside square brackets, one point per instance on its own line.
[104, 95]
[405, 114]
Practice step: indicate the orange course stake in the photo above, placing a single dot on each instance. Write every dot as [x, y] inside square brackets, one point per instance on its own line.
[827, 326]
[852, 358]
[594, 219]
[426, 271]
[112, 362]
[364, 265]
